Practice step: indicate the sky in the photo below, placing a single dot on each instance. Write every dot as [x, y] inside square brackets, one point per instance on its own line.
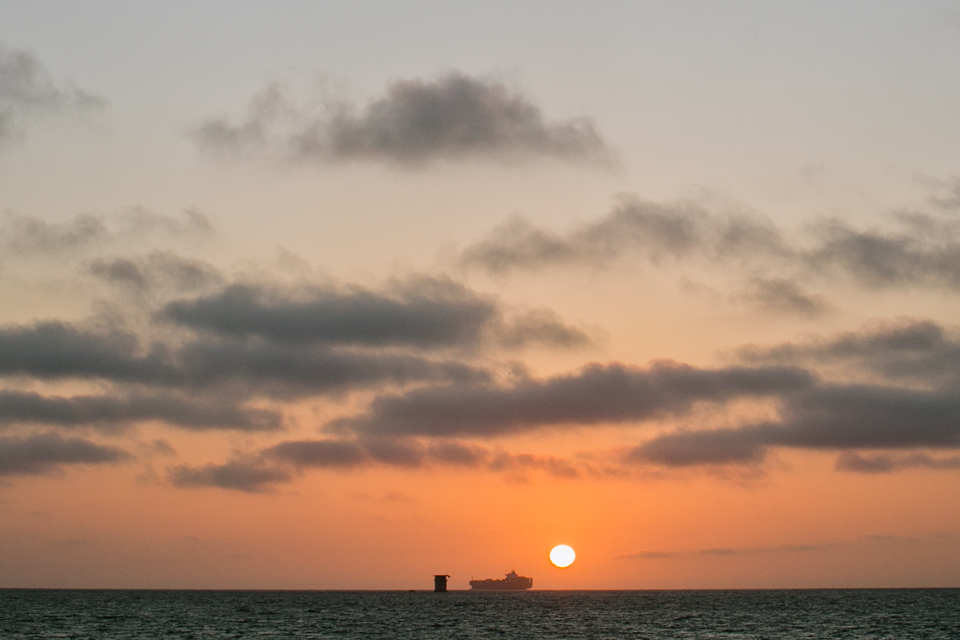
[343, 295]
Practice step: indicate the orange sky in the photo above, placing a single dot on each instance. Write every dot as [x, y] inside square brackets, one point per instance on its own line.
[341, 297]
[799, 527]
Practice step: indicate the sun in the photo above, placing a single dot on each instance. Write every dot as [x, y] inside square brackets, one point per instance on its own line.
[562, 555]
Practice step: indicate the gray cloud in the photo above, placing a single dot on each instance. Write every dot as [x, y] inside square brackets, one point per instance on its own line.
[47, 453]
[598, 393]
[452, 117]
[812, 415]
[951, 200]
[659, 232]
[114, 413]
[846, 417]
[207, 383]
[912, 249]
[691, 448]
[422, 312]
[924, 251]
[162, 447]
[459, 454]
[921, 350]
[283, 462]
[54, 351]
[157, 271]
[251, 476]
[27, 91]
[541, 326]
[907, 400]
[291, 371]
[830, 416]
[435, 313]
[401, 452]
[319, 453]
[782, 295]
[30, 235]
[856, 462]
[868, 416]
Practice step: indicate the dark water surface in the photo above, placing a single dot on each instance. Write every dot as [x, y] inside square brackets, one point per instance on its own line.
[885, 613]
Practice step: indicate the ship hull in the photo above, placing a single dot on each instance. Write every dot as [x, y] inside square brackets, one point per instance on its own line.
[501, 585]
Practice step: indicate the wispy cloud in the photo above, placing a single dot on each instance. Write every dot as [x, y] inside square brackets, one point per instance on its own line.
[782, 295]
[659, 233]
[858, 463]
[23, 236]
[156, 272]
[725, 551]
[282, 463]
[28, 92]
[775, 266]
[801, 548]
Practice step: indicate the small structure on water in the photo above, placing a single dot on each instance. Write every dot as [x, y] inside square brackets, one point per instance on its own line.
[440, 583]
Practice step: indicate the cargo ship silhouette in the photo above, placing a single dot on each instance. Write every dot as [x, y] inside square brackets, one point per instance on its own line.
[512, 582]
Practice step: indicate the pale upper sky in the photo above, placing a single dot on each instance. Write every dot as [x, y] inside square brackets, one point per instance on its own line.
[343, 295]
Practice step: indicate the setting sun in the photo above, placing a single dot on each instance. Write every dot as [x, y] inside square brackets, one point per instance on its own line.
[562, 555]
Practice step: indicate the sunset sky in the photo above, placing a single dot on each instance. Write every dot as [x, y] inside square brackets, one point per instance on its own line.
[341, 295]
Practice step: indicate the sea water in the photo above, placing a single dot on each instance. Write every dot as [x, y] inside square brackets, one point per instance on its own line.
[850, 614]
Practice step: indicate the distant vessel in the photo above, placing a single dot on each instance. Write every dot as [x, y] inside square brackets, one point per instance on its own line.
[512, 582]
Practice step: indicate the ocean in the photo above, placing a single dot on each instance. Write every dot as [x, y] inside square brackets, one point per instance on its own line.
[900, 614]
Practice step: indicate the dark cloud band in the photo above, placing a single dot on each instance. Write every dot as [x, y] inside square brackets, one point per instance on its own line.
[423, 313]
[110, 413]
[828, 417]
[55, 351]
[49, 452]
[597, 394]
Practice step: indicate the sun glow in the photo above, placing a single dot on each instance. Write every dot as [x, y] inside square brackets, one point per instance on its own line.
[562, 555]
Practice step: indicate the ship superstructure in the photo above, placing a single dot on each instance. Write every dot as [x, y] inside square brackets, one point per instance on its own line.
[512, 582]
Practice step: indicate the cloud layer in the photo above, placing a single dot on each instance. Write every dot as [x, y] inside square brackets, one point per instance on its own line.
[243, 344]
[183, 344]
